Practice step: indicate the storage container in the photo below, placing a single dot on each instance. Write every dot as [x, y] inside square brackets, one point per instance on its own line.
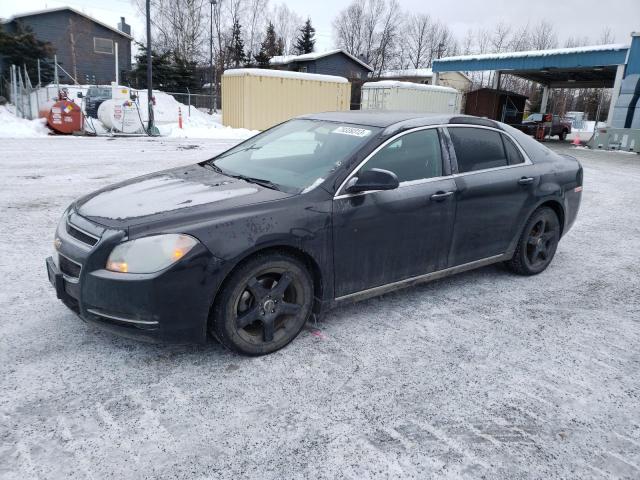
[257, 98]
[409, 97]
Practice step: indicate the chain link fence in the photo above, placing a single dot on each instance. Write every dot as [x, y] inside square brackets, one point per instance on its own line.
[32, 101]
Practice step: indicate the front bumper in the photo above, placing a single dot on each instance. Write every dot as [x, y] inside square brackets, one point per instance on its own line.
[169, 306]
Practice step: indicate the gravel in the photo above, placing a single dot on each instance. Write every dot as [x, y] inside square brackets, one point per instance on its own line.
[482, 375]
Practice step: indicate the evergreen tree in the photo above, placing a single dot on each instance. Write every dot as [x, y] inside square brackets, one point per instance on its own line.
[186, 75]
[23, 48]
[164, 71]
[270, 47]
[237, 56]
[306, 41]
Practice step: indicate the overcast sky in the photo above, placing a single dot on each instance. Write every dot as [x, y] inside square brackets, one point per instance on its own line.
[571, 18]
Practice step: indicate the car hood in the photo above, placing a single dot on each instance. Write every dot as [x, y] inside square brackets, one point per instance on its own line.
[177, 193]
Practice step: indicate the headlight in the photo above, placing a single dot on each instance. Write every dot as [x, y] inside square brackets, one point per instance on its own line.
[149, 254]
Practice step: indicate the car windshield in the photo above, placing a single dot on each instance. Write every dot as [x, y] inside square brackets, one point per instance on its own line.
[99, 92]
[534, 117]
[295, 156]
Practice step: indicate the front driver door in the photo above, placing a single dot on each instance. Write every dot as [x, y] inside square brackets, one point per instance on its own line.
[385, 236]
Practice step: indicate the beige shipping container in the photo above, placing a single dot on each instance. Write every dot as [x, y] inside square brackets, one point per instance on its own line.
[257, 98]
[409, 97]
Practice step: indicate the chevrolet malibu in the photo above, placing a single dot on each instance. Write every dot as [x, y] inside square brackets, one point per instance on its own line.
[319, 210]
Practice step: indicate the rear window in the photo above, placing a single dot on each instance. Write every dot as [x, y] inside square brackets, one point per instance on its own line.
[477, 148]
[513, 153]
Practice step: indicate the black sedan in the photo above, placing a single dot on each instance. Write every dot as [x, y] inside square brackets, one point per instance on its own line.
[316, 211]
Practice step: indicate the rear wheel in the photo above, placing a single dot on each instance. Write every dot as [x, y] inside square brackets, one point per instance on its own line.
[537, 244]
[563, 135]
[263, 305]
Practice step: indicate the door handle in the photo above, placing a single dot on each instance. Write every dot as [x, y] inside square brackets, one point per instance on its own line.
[526, 180]
[440, 196]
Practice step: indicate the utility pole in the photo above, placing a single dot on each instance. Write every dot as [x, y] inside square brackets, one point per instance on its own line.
[149, 70]
[116, 65]
[212, 83]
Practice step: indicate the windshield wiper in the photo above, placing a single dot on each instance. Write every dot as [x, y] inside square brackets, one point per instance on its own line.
[250, 147]
[214, 167]
[258, 181]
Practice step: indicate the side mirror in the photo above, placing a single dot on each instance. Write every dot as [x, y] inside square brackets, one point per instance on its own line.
[374, 179]
[80, 95]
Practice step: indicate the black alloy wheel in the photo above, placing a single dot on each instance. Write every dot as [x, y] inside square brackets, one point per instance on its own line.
[537, 244]
[263, 305]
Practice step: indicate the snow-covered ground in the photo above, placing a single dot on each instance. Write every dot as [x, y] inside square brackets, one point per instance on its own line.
[195, 123]
[482, 375]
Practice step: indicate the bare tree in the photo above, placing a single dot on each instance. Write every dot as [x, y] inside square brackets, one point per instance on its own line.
[606, 36]
[178, 25]
[418, 29]
[544, 36]
[286, 22]
[255, 24]
[369, 29]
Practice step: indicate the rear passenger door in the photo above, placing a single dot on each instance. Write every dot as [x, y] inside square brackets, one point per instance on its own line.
[495, 184]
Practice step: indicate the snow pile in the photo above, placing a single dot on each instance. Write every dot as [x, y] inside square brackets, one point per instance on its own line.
[263, 72]
[14, 127]
[198, 127]
[409, 72]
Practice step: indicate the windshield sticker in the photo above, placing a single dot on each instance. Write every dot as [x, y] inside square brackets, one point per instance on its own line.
[355, 132]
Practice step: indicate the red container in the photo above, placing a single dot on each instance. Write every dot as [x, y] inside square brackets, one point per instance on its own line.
[65, 117]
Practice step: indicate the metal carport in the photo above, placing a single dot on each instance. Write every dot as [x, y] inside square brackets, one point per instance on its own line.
[600, 66]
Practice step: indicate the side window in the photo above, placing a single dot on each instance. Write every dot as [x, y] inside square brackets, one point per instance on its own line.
[513, 153]
[413, 156]
[103, 45]
[477, 148]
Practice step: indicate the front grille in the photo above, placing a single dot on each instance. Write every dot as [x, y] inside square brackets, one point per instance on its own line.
[69, 267]
[80, 235]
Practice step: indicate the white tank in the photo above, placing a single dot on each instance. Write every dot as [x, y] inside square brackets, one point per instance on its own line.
[409, 97]
[122, 116]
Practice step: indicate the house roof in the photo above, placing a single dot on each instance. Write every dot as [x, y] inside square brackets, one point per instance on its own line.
[59, 9]
[307, 57]
[414, 72]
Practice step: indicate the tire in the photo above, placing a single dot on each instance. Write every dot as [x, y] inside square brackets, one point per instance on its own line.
[537, 244]
[563, 135]
[263, 305]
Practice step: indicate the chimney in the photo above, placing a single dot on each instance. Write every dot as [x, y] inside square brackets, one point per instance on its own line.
[123, 27]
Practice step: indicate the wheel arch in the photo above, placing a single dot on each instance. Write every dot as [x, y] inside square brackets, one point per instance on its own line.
[555, 204]
[311, 263]
[557, 207]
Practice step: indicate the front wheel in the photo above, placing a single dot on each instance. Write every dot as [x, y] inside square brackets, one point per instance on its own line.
[537, 244]
[263, 305]
[563, 135]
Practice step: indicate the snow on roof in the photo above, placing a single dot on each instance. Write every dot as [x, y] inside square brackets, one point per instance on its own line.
[262, 72]
[538, 53]
[285, 59]
[409, 72]
[59, 9]
[409, 86]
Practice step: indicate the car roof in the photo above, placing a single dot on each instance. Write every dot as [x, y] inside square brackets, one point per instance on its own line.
[384, 119]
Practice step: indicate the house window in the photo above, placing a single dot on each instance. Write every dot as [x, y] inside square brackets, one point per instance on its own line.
[103, 45]
[302, 69]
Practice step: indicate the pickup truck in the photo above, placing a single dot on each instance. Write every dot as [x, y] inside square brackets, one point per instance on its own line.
[559, 126]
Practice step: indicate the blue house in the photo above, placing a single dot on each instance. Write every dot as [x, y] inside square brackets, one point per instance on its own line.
[85, 47]
[334, 62]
